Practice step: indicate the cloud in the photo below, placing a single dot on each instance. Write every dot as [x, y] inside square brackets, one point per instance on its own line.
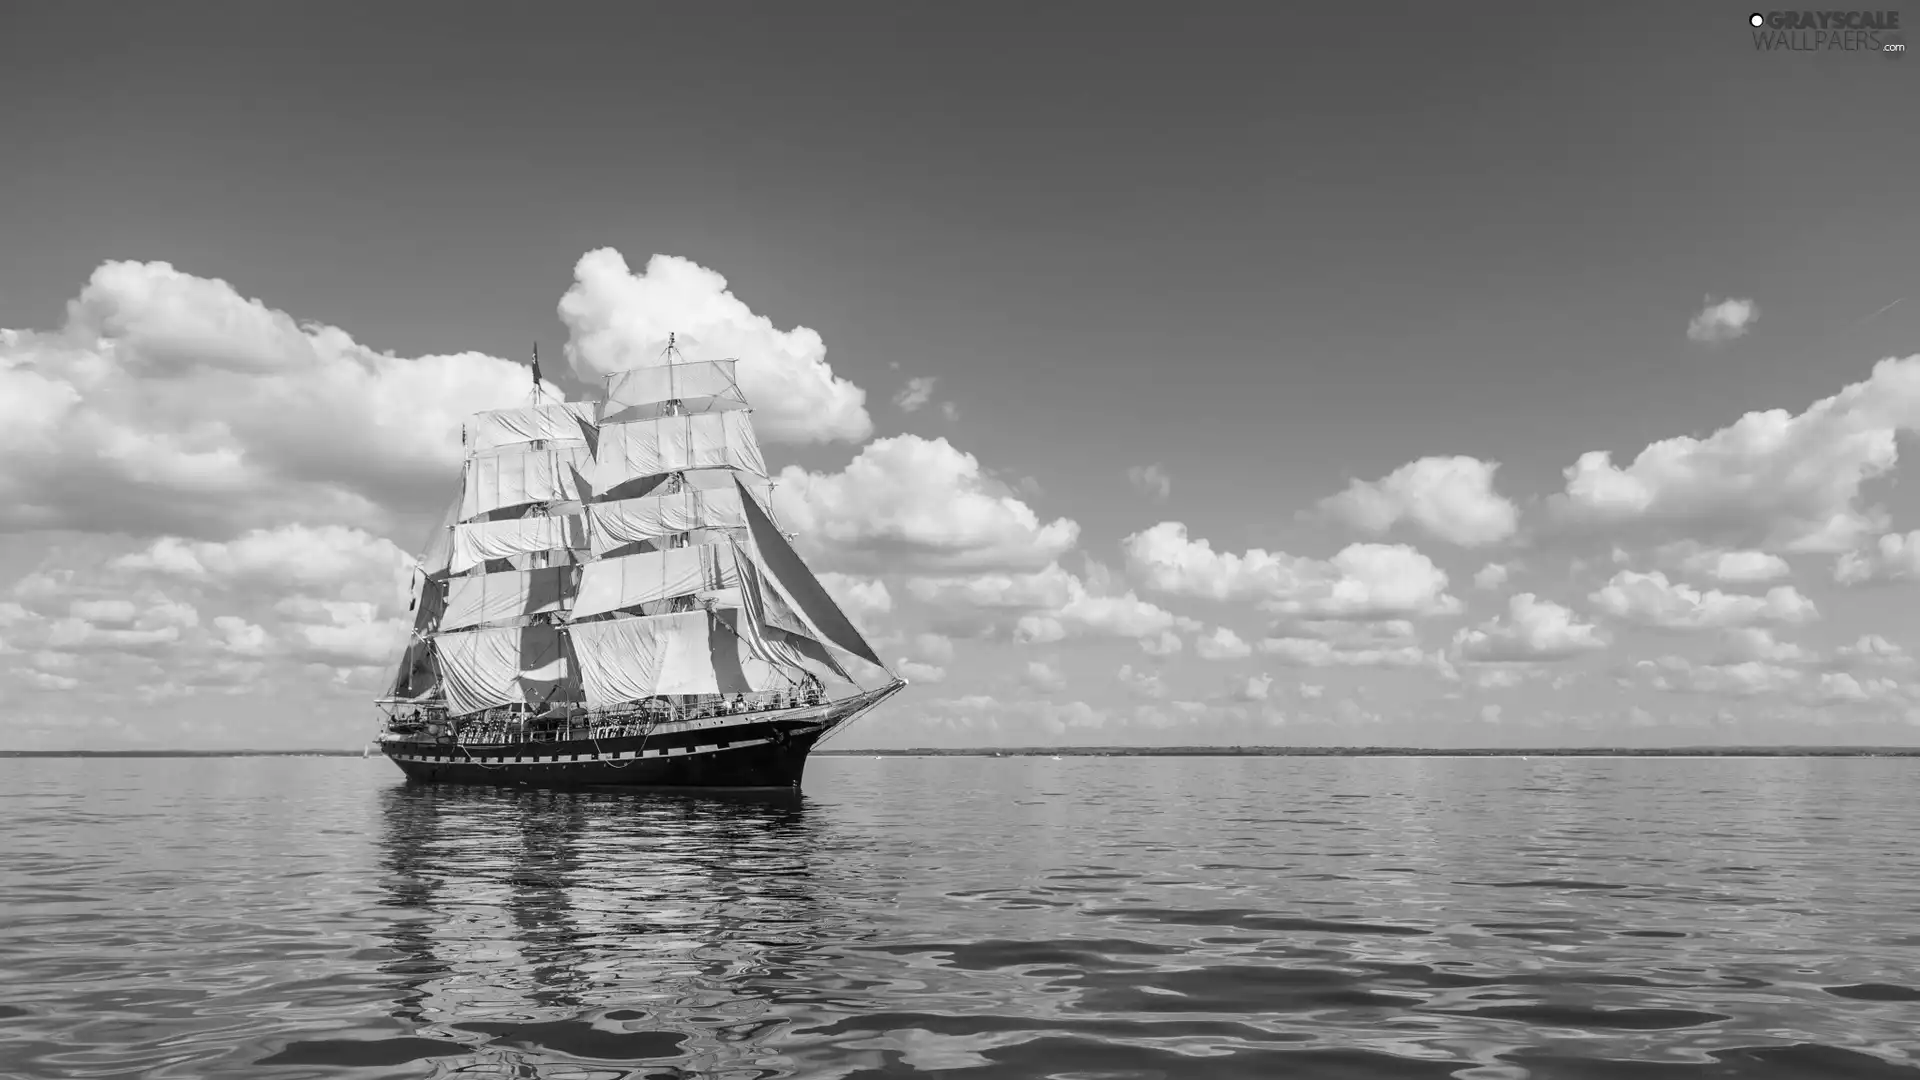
[933, 648]
[911, 503]
[1894, 557]
[1362, 581]
[1759, 678]
[1533, 629]
[1145, 684]
[1051, 605]
[1771, 481]
[1221, 644]
[915, 671]
[1152, 481]
[618, 319]
[1255, 688]
[1045, 675]
[1651, 600]
[1162, 645]
[1729, 567]
[863, 599]
[1392, 643]
[1722, 320]
[1451, 498]
[915, 395]
[341, 562]
[1490, 576]
[169, 403]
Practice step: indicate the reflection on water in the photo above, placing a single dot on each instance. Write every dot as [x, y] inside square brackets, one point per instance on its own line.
[1475, 918]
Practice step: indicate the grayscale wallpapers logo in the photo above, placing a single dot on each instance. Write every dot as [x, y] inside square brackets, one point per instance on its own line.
[1828, 31]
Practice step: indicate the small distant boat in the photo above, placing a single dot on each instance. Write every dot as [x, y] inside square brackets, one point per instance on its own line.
[608, 602]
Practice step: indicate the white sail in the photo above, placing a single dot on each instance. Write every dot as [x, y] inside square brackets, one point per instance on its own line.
[521, 477]
[549, 423]
[488, 598]
[475, 542]
[671, 444]
[625, 521]
[795, 583]
[482, 669]
[644, 386]
[626, 659]
[631, 580]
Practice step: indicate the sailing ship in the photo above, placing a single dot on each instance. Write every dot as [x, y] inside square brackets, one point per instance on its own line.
[609, 600]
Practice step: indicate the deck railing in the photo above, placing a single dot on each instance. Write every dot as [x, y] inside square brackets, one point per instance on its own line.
[511, 725]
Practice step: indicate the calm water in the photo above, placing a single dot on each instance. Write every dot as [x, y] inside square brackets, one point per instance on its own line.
[1084, 918]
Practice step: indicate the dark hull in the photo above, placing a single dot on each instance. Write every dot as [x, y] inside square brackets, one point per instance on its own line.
[755, 750]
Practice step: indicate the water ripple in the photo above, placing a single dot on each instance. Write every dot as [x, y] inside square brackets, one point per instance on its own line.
[1485, 919]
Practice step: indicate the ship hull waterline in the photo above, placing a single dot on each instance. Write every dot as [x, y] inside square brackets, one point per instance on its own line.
[749, 751]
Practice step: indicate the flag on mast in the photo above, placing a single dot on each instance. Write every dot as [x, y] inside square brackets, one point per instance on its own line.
[536, 364]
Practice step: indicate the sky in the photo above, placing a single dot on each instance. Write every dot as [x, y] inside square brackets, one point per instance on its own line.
[1318, 375]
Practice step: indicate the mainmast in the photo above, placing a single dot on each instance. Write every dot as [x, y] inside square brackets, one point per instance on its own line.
[607, 552]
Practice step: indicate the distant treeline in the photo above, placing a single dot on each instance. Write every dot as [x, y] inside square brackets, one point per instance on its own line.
[1393, 751]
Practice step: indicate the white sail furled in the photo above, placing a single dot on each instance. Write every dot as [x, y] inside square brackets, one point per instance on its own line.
[518, 477]
[631, 451]
[784, 568]
[708, 382]
[631, 580]
[507, 665]
[550, 423]
[625, 521]
[474, 542]
[489, 598]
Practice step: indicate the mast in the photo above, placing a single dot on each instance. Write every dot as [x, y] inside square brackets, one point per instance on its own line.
[602, 553]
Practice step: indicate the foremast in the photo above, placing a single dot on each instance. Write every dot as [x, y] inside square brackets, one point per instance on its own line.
[608, 553]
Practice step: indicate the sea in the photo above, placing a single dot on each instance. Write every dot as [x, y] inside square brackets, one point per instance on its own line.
[969, 917]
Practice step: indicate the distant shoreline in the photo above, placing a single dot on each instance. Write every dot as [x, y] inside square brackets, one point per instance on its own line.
[1148, 751]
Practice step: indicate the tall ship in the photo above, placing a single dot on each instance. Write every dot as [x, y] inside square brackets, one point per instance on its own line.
[610, 600]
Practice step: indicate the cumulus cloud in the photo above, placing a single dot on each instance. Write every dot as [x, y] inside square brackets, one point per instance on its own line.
[914, 396]
[915, 671]
[1451, 498]
[1771, 481]
[1392, 643]
[863, 599]
[911, 503]
[1728, 567]
[1651, 600]
[1045, 675]
[1255, 688]
[933, 648]
[618, 319]
[1491, 576]
[1532, 629]
[332, 559]
[1145, 684]
[1894, 557]
[1760, 678]
[1362, 581]
[1221, 644]
[1722, 320]
[1152, 481]
[169, 403]
[1052, 604]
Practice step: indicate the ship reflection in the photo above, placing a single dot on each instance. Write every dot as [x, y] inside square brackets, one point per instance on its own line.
[534, 927]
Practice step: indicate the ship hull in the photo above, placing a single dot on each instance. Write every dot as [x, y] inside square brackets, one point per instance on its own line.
[746, 751]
